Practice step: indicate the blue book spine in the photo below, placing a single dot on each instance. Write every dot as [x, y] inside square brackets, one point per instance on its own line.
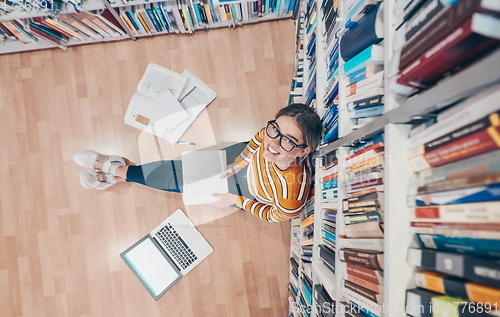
[356, 76]
[291, 5]
[152, 17]
[367, 112]
[332, 134]
[469, 246]
[460, 196]
[360, 36]
[330, 215]
[327, 235]
[379, 138]
[329, 184]
[135, 21]
[361, 58]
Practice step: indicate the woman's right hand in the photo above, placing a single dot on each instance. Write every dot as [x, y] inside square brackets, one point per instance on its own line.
[231, 170]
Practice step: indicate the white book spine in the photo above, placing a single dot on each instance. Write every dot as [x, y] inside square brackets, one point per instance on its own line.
[478, 106]
[365, 94]
[374, 81]
[362, 244]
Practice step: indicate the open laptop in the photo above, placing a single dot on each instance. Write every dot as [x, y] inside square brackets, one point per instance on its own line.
[167, 253]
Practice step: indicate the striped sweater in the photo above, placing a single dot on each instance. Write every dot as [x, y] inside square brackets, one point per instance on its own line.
[281, 195]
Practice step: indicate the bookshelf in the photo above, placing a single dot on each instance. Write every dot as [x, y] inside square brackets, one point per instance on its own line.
[404, 109]
[120, 20]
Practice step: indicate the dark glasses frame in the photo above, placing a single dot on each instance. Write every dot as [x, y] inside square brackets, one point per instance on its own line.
[295, 145]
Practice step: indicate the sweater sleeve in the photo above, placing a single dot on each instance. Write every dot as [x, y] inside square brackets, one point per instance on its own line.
[244, 158]
[283, 207]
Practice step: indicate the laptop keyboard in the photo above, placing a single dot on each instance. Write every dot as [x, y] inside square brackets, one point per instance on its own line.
[177, 247]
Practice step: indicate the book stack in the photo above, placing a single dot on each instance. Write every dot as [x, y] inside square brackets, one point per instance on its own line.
[63, 30]
[310, 53]
[455, 208]
[361, 248]
[435, 38]
[331, 93]
[362, 49]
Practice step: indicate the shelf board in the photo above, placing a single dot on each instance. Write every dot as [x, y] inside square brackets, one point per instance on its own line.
[477, 76]
[89, 5]
[326, 276]
[11, 46]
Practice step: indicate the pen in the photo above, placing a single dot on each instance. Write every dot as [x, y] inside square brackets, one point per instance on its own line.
[186, 143]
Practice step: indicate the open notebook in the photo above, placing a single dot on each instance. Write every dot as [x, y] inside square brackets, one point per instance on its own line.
[201, 172]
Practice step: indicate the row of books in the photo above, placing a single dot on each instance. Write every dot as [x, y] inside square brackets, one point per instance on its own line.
[455, 209]
[361, 247]
[437, 38]
[76, 27]
[330, 17]
[310, 37]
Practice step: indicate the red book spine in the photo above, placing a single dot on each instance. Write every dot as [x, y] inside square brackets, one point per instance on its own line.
[372, 182]
[379, 145]
[456, 49]
[363, 273]
[480, 142]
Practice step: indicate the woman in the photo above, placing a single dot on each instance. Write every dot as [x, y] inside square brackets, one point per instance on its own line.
[278, 171]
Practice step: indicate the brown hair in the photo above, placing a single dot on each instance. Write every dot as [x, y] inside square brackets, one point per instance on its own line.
[308, 122]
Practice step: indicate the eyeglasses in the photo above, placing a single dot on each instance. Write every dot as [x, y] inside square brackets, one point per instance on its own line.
[286, 143]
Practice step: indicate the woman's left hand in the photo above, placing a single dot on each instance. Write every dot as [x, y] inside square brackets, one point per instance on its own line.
[225, 200]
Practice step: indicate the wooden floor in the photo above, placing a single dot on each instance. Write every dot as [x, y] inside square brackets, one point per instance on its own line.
[60, 243]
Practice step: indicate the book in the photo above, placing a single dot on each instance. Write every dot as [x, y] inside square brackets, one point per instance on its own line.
[474, 194]
[423, 303]
[456, 287]
[362, 73]
[471, 40]
[364, 273]
[327, 256]
[363, 217]
[427, 12]
[358, 11]
[364, 184]
[194, 98]
[454, 233]
[374, 287]
[369, 199]
[478, 165]
[329, 214]
[465, 245]
[363, 302]
[373, 296]
[366, 258]
[472, 212]
[366, 112]
[368, 31]
[453, 136]
[458, 183]
[433, 225]
[473, 268]
[477, 143]
[374, 81]
[371, 229]
[362, 244]
[154, 107]
[372, 55]
[39, 33]
[376, 100]
[435, 30]
[366, 94]
[328, 236]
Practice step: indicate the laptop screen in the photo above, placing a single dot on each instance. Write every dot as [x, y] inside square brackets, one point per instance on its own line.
[152, 267]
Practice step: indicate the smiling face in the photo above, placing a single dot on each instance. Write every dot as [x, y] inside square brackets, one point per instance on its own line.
[273, 150]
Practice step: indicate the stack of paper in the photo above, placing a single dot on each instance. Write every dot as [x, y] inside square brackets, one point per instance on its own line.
[167, 103]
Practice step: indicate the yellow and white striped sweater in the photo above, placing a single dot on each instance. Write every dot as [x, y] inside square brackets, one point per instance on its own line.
[281, 195]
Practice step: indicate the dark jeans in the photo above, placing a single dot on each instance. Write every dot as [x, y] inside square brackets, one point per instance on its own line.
[167, 175]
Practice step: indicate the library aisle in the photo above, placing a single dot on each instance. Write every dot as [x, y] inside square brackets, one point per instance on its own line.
[60, 243]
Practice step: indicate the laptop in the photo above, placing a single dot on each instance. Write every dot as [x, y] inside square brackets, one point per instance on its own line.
[201, 172]
[167, 253]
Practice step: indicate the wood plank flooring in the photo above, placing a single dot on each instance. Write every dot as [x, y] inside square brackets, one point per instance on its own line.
[60, 243]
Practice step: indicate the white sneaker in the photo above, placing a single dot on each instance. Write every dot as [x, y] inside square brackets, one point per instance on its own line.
[98, 161]
[96, 179]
